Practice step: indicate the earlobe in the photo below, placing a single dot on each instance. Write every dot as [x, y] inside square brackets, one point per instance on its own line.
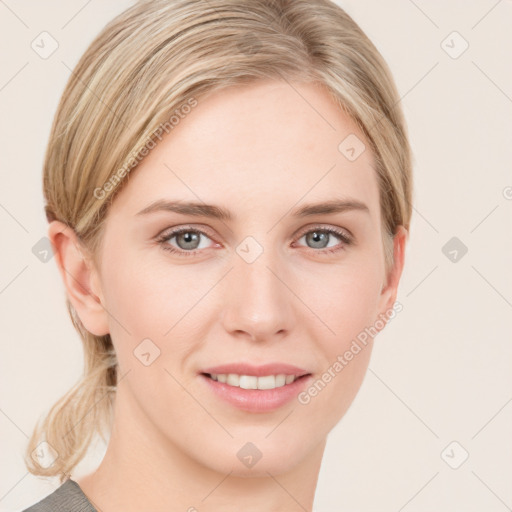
[79, 277]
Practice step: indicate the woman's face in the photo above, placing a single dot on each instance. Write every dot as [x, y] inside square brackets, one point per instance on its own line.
[267, 286]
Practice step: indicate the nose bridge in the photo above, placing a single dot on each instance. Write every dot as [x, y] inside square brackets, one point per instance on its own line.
[258, 302]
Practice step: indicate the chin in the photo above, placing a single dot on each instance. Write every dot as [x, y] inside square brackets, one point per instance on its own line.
[258, 458]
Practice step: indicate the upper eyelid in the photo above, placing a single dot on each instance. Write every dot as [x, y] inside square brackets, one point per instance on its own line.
[321, 227]
[171, 232]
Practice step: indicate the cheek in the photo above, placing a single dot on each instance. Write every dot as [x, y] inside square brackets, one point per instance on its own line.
[151, 332]
[143, 301]
[346, 299]
[148, 291]
[347, 303]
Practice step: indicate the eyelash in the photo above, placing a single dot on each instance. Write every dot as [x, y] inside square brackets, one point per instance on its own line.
[163, 239]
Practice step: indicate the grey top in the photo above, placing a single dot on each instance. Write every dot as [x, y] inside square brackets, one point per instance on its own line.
[66, 498]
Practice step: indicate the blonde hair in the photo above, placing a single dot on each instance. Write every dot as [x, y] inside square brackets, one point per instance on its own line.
[145, 70]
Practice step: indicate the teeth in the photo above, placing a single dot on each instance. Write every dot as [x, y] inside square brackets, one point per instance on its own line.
[253, 382]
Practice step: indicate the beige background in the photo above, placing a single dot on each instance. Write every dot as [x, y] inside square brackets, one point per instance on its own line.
[440, 372]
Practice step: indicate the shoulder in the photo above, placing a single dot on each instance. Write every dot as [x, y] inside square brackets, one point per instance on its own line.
[66, 498]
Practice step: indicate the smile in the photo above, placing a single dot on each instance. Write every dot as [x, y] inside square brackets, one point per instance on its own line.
[253, 382]
[262, 394]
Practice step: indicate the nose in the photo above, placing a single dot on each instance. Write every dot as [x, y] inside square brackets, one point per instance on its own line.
[260, 304]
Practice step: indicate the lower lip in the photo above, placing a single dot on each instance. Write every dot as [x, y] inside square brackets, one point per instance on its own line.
[257, 400]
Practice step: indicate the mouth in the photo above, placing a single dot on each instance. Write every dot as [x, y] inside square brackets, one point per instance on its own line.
[256, 389]
[254, 382]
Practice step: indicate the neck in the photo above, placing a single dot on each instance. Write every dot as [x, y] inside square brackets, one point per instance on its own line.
[144, 470]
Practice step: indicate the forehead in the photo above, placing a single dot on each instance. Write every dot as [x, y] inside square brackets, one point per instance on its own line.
[265, 146]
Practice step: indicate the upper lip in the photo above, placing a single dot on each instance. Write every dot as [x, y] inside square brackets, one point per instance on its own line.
[257, 371]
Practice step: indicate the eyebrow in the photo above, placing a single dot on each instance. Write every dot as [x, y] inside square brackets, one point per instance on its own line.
[217, 212]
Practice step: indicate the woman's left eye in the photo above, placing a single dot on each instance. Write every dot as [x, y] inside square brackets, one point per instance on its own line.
[320, 238]
[188, 240]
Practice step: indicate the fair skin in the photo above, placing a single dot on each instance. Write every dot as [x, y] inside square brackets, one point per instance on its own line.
[260, 151]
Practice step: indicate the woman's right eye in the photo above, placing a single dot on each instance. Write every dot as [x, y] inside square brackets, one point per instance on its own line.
[188, 241]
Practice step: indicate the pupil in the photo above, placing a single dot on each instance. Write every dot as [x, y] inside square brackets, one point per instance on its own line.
[189, 238]
[317, 237]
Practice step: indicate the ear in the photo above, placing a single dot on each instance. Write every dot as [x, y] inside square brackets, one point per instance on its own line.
[390, 287]
[80, 278]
